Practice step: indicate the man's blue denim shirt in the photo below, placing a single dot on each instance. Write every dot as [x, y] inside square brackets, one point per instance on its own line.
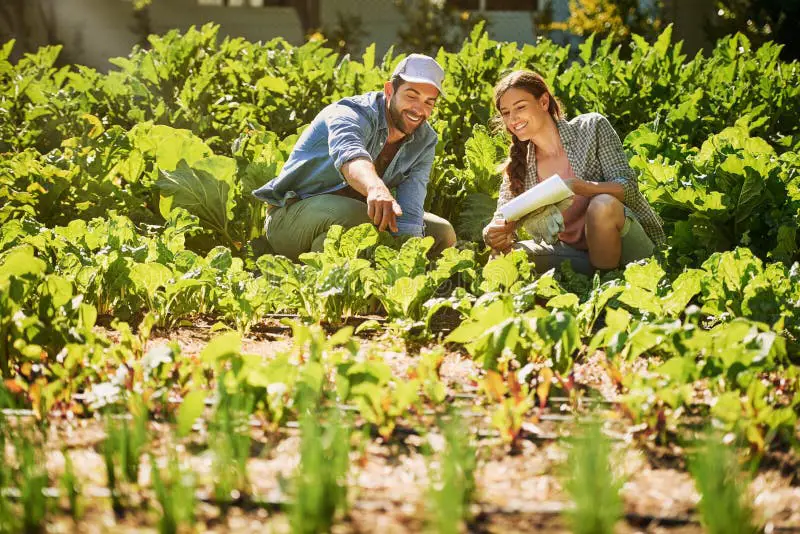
[351, 128]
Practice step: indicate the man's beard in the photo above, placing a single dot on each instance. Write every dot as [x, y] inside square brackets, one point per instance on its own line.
[398, 120]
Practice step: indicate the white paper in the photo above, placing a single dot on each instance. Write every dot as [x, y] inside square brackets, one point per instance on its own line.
[546, 192]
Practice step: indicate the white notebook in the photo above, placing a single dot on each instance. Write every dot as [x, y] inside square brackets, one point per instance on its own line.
[550, 191]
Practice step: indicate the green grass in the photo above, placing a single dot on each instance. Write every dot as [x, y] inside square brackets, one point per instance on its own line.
[125, 443]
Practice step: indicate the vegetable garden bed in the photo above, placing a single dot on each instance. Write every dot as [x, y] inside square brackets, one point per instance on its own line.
[195, 383]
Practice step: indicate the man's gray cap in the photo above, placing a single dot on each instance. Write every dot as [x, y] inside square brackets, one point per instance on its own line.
[419, 68]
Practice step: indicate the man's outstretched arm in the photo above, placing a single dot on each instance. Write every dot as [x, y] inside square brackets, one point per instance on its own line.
[347, 132]
[382, 208]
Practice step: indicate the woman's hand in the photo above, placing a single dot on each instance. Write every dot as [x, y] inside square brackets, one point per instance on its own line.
[579, 187]
[499, 235]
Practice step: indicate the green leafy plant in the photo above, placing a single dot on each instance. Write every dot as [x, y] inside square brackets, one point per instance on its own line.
[320, 488]
[125, 443]
[71, 486]
[230, 443]
[452, 485]
[174, 488]
[591, 482]
[718, 477]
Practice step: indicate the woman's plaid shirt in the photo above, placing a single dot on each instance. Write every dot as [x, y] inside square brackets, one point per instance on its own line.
[595, 154]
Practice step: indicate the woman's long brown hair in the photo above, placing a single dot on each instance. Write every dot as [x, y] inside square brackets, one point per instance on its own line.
[534, 84]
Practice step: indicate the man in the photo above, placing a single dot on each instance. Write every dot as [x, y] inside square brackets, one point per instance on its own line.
[354, 152]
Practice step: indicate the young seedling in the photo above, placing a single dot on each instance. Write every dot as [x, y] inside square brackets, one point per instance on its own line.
[71, 486]
[126, 438]
[512, 401]
[230, 443]
[718, 478]
[452, 480]
[591, 483]
[174, 489]
[6, 515]
[32, 481]
[321, 477]
[134, 439]
[109, 454]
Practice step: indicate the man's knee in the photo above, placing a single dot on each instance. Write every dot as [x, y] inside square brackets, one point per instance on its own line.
[302, 225]
[446, 236]
[345, 212]
[442, 232]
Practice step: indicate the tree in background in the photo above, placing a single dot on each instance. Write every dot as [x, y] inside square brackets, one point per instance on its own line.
[30, 22]
[431, 24]
[618, 18]
[760, 21]
[141, 20]
[347, 35]
[33, 24]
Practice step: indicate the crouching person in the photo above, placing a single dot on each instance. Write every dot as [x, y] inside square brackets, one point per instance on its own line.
[346, 163]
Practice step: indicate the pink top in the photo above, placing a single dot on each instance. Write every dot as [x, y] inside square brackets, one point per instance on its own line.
[574, 233]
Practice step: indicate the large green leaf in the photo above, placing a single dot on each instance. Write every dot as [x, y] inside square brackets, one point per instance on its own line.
[148, 277]
[406, 291]
[499, 272]
[355, 240]
[481, 320]
[271, 83]
[684, 288]
[21, 262]
[57, 290]
[561, 330]
[191, 408]
[221, 347]
[169, 145]
[645, 276]
[481, 153]
[205, 190]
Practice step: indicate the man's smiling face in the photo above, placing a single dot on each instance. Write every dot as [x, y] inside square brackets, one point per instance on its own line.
[410, 105]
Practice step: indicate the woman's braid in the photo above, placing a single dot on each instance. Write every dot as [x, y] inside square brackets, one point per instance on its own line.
[516, 168]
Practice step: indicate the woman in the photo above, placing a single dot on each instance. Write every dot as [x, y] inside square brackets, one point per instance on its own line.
[609, 223]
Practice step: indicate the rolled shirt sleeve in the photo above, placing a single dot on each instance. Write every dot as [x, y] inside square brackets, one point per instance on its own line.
[614, 162]
[615, 167]
[411, 194]
[347, 132]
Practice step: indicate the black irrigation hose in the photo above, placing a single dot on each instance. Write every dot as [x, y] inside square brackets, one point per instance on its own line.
[557, 508]
[528, 435]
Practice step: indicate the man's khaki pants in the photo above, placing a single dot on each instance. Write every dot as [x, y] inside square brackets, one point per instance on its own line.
[302, 226]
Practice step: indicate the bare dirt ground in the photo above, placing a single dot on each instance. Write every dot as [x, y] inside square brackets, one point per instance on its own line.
[518, 491]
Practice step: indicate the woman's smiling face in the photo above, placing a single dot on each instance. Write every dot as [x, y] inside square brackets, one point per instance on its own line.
[523, 114]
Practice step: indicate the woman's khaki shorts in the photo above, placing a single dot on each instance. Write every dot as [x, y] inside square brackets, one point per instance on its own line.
[635, 246]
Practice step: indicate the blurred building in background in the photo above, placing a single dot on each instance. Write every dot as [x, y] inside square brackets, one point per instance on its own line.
[92, 31]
